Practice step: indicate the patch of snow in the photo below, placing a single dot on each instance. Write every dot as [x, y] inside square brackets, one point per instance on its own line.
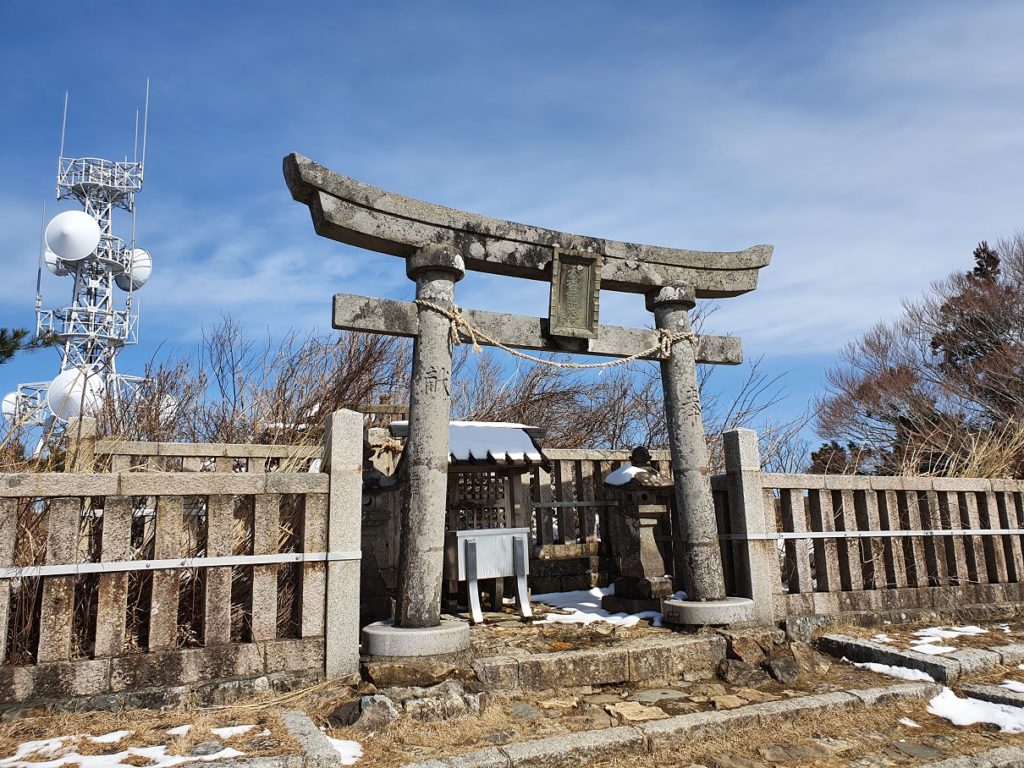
[62, 752]
[350, 751]
[931, 634]
[908, 722]
[585, 608]
[1004, 627]
[109, 738]
[903, 673]
[623, 474]
[882, 638]
[933, 650]
[231, 730]
[1013, 685]
[180, 730]
[970, 711]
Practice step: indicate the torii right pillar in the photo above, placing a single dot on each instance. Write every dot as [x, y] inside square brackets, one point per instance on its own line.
[696, 553]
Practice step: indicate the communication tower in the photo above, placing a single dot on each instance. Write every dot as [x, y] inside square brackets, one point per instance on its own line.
[105, 270]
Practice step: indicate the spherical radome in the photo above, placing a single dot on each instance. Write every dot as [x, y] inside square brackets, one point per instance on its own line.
[141, 269]
[9, 407]
[75, 392]
[72, 235]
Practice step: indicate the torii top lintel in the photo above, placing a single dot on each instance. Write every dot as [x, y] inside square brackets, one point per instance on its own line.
[351, 212]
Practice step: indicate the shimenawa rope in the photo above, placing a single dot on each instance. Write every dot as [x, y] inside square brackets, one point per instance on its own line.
[662, 350]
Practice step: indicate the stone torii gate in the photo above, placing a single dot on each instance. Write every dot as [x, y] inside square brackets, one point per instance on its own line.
[439, 244]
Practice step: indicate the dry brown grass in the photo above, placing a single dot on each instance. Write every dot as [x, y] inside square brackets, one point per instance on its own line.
[409, 740]
[852, 734]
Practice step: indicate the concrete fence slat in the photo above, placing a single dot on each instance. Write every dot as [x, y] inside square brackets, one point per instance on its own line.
[163, 612]
[871, 550]
[955, 549]
[314, 575]
[851, 575]
[794, 520]
[112, 598]
[889, 519]
[57, 610]
[977, 568]
[8, 540]
[913, 549]
[994, 550]
[935, 555]
[266, 533]
[826, 551]
[220, 538]
[1007, 515]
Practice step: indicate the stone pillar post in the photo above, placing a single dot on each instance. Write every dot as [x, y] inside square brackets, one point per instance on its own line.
[758, 575]
[435, 269]
[696, 537]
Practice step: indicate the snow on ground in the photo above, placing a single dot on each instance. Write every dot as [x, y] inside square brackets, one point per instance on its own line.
[882, 638]
[908, 722]
[903, 673]
[61, 750]
[1013, 685]
[231, 730]
[970, 711]
[584, 606]
[932, 649]
[350, 751]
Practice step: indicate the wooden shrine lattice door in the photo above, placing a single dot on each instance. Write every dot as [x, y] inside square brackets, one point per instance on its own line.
[478, 500]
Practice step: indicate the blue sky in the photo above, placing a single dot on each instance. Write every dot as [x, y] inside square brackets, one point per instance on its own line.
[873, 143]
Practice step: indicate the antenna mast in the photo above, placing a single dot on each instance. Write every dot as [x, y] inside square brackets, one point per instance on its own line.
[94, 326]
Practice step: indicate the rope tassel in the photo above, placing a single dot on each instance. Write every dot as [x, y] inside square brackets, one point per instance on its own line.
[660, 351]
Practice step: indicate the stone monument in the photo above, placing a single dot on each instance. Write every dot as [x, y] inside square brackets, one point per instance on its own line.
[439, 244]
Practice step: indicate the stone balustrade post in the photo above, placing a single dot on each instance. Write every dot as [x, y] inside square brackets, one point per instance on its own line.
[757, 571]
[343, 461]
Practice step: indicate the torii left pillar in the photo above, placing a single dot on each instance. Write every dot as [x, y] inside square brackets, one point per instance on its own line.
[417, 629]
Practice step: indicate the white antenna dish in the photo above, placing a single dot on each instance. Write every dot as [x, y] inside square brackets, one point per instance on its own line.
[53, 264]
[75, 392]
[9, 407]
[72, 235]
[138, 273]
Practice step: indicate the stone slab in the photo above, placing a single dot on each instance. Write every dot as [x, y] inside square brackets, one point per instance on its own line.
[893, 693]
[382, 638]
[317, 749]
[690, 613]
[1001, 757]
[575, 748]
[975, 659]
[942, 669]
[596, 666]
[1010, 655]
[994, 693]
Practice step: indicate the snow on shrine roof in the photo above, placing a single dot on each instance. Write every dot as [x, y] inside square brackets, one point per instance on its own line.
[493, 442]
[623, 474]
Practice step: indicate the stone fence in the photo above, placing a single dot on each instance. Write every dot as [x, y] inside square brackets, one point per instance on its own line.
[148, 587]
[811, 549]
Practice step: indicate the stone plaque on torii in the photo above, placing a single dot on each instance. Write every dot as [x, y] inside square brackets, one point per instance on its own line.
[439, 244]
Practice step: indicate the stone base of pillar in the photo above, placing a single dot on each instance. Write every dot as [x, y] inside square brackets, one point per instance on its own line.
[693, 613]
[383, 638]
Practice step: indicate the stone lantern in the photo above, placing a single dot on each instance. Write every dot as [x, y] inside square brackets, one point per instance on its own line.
[644, 495]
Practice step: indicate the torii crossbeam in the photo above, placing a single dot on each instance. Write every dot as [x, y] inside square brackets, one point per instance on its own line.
[439, 244]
